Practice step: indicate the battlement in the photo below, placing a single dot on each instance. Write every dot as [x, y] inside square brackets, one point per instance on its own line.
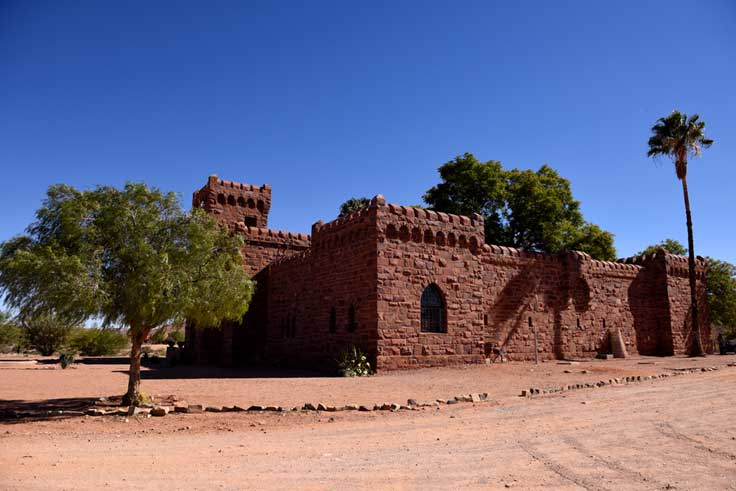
[232, 202]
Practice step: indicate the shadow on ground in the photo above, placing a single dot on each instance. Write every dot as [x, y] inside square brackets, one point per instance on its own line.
[17, 411]
[195, 372]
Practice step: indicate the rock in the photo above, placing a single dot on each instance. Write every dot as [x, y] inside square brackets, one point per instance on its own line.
[412, 402]
[137, 411]
[524, 393]
[364, 408]
[181, 409]
[255, 408]
[159, 411]
[321, 407]
[464, 398]
[451, 401]
[308, 406]
[331, 409]
[567, 371]
[276, 409]
[213, 409]
[350, 407]
[195, 409]
[395, 407]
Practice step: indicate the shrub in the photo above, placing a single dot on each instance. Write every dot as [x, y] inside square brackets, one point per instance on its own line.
[176, 337]
[158, 336]
[45, 332]
[11, 336]
[353, 363]
[98, 341]
[66, 359]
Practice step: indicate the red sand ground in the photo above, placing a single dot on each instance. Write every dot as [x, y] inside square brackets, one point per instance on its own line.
[675, 433]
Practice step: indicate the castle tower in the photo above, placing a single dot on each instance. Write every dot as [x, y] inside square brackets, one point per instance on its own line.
[233, 202]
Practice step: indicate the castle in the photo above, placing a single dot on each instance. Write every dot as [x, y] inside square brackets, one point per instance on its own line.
[418, 288]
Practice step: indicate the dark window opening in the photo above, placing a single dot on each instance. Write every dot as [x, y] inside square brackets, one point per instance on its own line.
[433, 310]
[250, 221]
[530, 322]
[241, 201]
[333, 320]
[231, 200]
[221, 198]
[351, 319]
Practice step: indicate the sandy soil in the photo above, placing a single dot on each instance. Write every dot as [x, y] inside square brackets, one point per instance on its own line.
[675, 433]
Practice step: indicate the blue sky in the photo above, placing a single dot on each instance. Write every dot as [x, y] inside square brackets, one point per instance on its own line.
[328, 100]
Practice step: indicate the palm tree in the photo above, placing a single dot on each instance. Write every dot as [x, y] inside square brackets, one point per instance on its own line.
[677, 136]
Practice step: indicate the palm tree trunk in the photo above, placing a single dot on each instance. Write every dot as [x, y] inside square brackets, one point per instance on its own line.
[695, 347]
[133, 396]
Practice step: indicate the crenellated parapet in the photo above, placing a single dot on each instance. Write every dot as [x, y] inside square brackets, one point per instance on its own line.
[232, 202]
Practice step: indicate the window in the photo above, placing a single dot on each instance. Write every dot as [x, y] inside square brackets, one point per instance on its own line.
[333, 320]
[351, 319]
[231, 200]
[433, 310]
[250, 221]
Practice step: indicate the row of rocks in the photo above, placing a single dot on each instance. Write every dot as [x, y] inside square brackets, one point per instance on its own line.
[160, 410]
[534, 391]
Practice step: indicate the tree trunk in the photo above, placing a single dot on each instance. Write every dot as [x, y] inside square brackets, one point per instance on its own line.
[695, 347]
[133, 396]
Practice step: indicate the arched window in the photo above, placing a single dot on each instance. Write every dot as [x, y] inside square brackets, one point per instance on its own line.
[260, 205]
[221, 198]
[351, 319]
[333, 319]
[433, 310]
[241, 201]
[231, 200]
[391, 232]
[251, 203]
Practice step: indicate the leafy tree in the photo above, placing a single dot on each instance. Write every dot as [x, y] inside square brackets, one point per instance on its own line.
[96, 341]
[722, 292]
[10, 333]
[670, 245]
[132, 257]
[45, 332]
[353, 204]
[522, 208]
[176, 336]
[679, 137]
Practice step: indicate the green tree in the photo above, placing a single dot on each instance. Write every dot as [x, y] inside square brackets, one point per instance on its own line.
[722, 292]
[670, 245]
[678, 137]
[353, 204]
[10, 333]
[522, 208]
[470, 186]
[132, 257]
[45, 332]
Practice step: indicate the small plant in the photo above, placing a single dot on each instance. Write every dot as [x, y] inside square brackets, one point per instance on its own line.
[66, 359]
[353, 363]
[98, 341]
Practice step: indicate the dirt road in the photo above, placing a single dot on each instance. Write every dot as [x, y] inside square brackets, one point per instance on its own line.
[676, 433]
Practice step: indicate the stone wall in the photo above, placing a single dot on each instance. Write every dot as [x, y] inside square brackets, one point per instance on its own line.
[338, 272]
[417, 248]
[358, 280]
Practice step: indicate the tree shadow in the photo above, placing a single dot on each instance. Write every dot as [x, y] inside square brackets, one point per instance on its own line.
[184, 372]
[18, 411]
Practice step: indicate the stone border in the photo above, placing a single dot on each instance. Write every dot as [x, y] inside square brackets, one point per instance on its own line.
[411, 404]
[160, 410]
[534, 391]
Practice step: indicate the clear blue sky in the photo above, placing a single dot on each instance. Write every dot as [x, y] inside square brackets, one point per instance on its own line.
[325, 101]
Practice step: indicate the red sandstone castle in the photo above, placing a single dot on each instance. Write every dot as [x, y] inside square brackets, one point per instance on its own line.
[417, 288]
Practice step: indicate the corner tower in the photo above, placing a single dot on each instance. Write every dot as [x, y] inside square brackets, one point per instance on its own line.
[234, 202]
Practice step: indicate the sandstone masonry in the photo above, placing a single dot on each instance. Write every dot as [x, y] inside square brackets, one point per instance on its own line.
[360, 279]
